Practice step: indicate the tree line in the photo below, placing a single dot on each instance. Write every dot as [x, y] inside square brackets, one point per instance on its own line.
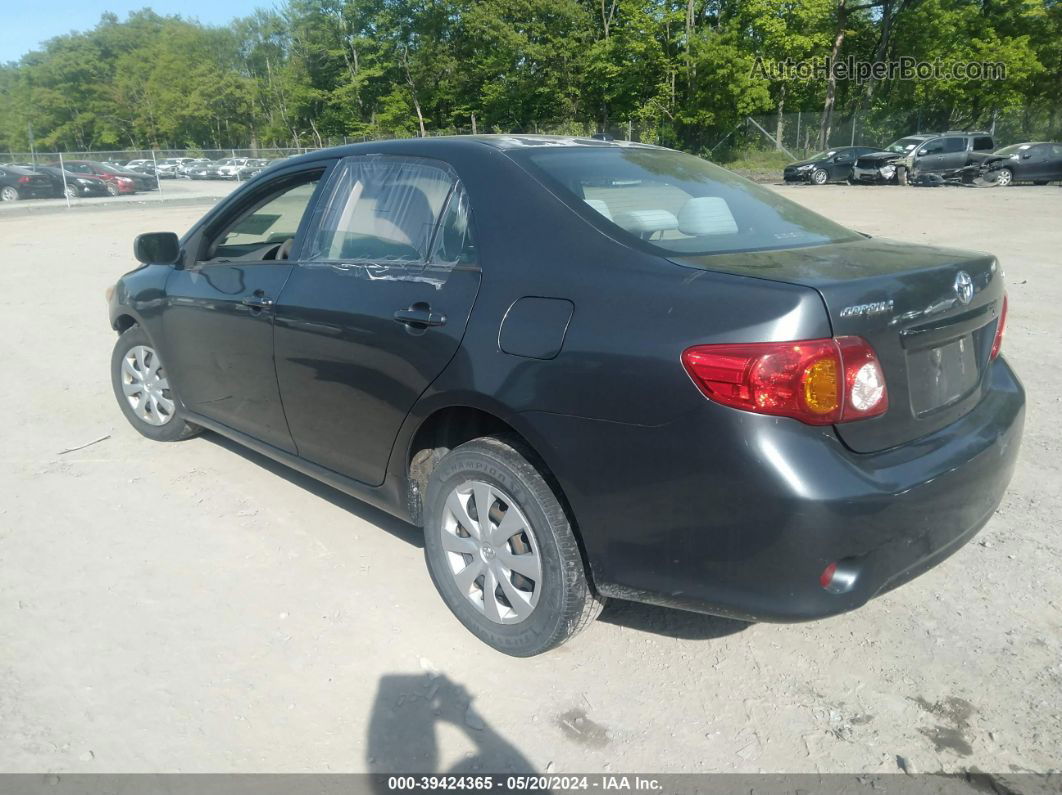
[678, 72]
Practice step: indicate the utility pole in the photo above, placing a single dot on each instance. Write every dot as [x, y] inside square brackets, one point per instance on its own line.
[29, 135]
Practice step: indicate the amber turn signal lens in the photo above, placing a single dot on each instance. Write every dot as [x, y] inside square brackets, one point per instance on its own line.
[821, 395]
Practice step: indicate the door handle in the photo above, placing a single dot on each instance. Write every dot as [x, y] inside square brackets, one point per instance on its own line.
[258, 300]
[419, 315]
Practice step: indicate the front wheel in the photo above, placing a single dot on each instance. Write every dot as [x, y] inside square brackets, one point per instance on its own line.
[819, 176]
[142, 388]
[1004, 177]
[112, 189]
[501, 551]
[70, 192]
[9, 194]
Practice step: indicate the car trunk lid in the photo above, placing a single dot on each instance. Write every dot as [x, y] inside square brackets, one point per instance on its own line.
[908, 302]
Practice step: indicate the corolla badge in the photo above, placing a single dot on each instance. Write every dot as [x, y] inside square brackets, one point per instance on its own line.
[964, 287]
[874, 308]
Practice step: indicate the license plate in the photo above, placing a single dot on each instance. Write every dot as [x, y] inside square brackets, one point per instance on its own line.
[942, 375]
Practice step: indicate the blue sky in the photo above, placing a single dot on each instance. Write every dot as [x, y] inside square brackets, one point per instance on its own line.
[36, 21]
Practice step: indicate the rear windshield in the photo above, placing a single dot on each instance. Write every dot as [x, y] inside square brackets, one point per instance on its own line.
[677, 203]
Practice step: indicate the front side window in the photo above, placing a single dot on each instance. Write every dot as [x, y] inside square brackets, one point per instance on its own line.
[382, 209]
[265, 230]
[674, 203]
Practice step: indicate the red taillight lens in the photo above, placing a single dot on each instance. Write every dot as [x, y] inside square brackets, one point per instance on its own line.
[23, 180]
[820, 382]
[1001, 326]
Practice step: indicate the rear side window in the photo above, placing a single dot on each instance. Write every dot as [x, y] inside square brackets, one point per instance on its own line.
[954, 145]
[982, 143]
[453, 243]
[382, 209]
[674, 203]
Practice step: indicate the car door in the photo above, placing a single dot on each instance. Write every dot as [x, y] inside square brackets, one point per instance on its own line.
[375, 310]
[1054, 162]
[218, 318]
[841, 164]
[929, 156]
[1034, 163]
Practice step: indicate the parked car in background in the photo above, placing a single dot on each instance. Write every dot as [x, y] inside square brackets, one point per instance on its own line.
[189, 163]
[118, 180]
[587, 369]
[881, 166]
[171, 166]
[201, 170]
[21, 183]
[252, 168]
[1038, 162]
[833, 165]
[141, 166]
[227, 168]
[76, 186]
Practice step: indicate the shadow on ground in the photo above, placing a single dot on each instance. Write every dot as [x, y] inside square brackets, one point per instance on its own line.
[404, 731]
[632, 615]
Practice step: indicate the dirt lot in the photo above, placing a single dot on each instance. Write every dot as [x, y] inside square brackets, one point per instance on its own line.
[194, 607]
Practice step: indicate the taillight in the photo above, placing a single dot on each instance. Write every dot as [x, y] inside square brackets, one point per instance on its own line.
[1001, 326]
[23, 180]
[820, 382]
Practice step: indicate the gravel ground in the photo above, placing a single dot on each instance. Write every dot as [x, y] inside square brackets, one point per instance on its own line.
[194, 607]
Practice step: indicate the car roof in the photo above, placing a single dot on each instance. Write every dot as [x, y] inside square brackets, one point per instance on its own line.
[440, 146]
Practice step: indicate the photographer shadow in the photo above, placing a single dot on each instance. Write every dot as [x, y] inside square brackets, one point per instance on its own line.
[404, 731]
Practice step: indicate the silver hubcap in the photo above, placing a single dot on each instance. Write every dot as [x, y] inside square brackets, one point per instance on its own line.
[9, 194]
[145, 386]
[1004, 177]
[492, 552]
[819, 177]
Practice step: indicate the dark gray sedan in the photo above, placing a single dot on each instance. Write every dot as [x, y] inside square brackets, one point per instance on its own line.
[586, 369]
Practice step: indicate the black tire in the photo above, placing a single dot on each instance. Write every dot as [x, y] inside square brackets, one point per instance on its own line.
[566, 604]
[819, 177]
[176, 428]
[9, 194]
[112, 189]
[1004, 177]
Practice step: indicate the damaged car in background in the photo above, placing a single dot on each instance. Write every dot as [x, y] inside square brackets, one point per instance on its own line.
[1038, 162]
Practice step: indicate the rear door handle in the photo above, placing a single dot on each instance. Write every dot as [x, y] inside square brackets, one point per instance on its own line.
[420, 315]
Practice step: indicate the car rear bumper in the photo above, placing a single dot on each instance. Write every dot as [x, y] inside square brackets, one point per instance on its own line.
[738, 514]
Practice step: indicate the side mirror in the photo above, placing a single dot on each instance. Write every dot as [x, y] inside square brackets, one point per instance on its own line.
[157, 248]
[1026, 155]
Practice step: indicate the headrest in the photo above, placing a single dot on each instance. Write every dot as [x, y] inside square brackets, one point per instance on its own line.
[706, 215]
[643, 222]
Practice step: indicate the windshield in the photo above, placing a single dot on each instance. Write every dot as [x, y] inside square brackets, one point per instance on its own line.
[903, 145]
[676, 203]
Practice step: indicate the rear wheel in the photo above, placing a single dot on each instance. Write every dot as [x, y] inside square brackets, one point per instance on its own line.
[142, 388]
[9, 194]
[819, 176]
[501, 551]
